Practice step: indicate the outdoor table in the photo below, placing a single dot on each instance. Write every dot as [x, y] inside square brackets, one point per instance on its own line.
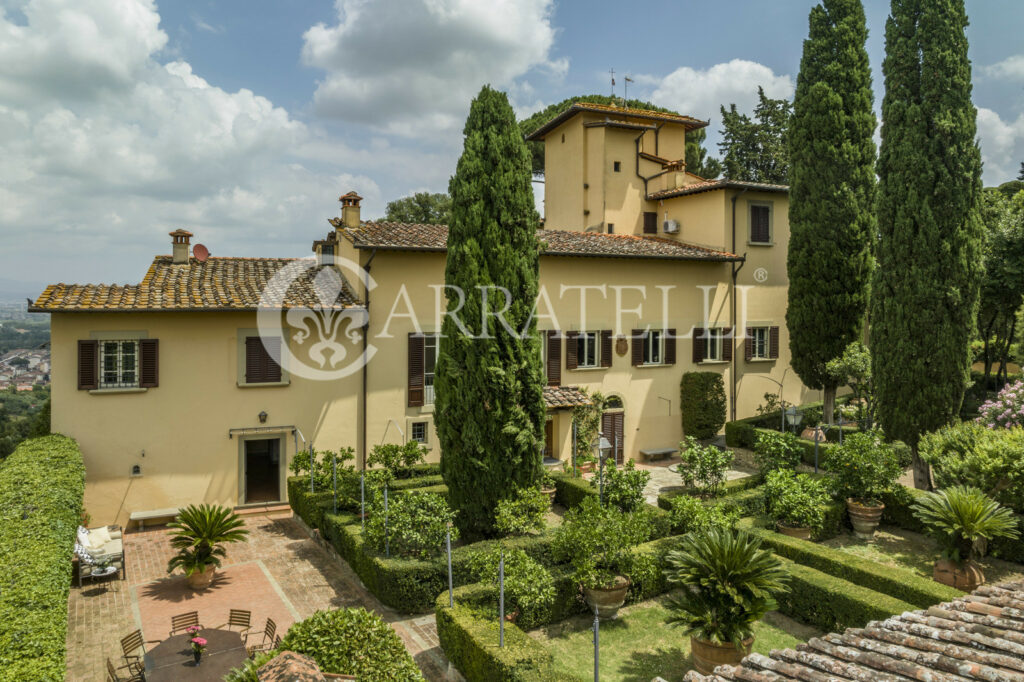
[172, 658]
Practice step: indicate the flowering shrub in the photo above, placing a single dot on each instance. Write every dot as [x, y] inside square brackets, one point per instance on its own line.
[703, 466]
[796, 501]
[624, 487]
[864, 467]
[1006, 410]
[774, 450]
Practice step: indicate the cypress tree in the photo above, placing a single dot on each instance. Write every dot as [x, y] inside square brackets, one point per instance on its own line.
[489, 409]
[831, 196]
[924, 299]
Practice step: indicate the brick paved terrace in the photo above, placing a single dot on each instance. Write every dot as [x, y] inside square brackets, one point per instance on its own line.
[279, 572]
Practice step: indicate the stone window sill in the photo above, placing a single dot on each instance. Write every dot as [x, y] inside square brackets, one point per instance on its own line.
[111, 391]
[264, 384]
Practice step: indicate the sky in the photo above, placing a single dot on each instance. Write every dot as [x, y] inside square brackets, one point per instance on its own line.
[242, 121]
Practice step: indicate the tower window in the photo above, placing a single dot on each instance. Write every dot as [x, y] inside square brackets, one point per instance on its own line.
[617, 166]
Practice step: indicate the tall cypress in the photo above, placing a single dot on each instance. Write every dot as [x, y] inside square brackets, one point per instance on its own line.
[924, 299]
[832, 192]
[489, 409]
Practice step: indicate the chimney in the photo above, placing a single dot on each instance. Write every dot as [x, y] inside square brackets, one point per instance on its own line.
[350, 209]
[179, 242]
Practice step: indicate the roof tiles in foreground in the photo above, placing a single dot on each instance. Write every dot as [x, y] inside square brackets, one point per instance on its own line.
[977, 637]
[561, 397]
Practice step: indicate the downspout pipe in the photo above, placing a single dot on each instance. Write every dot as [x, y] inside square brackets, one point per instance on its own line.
[735, 272]
[636, 142]
[366, 365]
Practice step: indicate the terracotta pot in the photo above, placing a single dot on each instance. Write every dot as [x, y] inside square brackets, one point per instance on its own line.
[511, 617]
[608, 600]
[864, 519]
[707, 655]
[966, 576]
[550, 492]
[585, 467]
[200, 580]
[793, 531]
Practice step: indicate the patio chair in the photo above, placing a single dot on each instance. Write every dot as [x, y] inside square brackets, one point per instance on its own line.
[130, 644]
[100, 552]
[131, 675]
[267, 642]
[184, 620]
[238, 618]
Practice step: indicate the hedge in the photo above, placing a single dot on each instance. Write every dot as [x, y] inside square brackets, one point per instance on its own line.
[417, 482]
[730, 487]
[571, 491]
[895, 582]
[833, 604]
[41, 488]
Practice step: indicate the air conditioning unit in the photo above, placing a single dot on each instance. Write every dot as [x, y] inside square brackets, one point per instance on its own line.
[670, 227]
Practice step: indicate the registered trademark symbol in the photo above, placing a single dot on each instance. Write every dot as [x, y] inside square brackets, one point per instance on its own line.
[761, 275]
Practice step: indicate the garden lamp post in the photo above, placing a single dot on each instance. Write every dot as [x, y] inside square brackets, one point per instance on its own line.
[604, 448]
[794, 417]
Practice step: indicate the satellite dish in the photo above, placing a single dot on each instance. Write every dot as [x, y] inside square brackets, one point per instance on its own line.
[200, 252]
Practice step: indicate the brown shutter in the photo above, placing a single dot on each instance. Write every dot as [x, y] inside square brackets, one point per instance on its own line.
[606, 347]
[618, 419]
[698, 345]
[88, 365]
[650, 222]
[554, 348]
[670, 346]
[570, 349]
[759, 230]
[773, 342]
[271, 351]
[727, 344]
[748, 345]
[149, 363]
[638, 347]
[415, 385]
[253, 364]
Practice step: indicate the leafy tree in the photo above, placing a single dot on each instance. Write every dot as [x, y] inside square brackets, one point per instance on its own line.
[490, 409]
[832, 191]
[1020, 175]
[853, 369]
[697, 160]
[1002, 288]
[757, 149]
[422, 207]
[924, 300]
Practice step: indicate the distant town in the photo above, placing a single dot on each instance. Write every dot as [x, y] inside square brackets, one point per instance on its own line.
[24, 348]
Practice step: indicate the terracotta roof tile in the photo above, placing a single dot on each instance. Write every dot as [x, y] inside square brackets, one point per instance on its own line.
[559, 397]
[217, 284]
[416, 237]
[979, 636]
[643, 114]
[723, 183]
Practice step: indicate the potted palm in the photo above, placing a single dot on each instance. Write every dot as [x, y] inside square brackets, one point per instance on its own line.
[596, 541]
[728, 583]
[960, 517]
[796, 502]
[864, 469]
[199, 534]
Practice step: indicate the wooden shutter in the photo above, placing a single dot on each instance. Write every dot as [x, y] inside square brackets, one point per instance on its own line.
[670, 346]
[759, 230]
[88, 365]
[638, 347]
[698, 344]
[727, 344]
[606, 347]
[253, 366]
[570, 349]
[415, 384]
[261, 366]
[749, 345]
[271, 351]
[554, 354]
[773, 342]
[613, 428]
[650, 222]
[149, 363]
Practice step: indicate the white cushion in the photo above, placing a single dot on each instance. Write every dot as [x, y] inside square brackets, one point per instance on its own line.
[99, 536]
[83, 536]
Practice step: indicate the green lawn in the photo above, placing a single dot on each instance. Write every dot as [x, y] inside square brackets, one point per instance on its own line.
[905, 549]
[638, 645]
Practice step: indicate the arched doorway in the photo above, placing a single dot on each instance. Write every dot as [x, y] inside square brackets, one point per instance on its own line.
[613, 421]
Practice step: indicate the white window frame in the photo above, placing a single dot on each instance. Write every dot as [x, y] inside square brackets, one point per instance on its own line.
[654, 345]
[120, 361]
[431, 342]
[714, 343]
[585, 339]
[426, 432]
[760, 336]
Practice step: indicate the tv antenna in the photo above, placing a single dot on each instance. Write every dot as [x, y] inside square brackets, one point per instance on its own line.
[612, 73]
[625, 90]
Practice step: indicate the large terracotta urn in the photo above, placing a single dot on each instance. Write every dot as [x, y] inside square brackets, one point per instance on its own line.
[607, 600]
[200, 580]
[864, 519]
[794, 531]
[707, 655]
[964, 576]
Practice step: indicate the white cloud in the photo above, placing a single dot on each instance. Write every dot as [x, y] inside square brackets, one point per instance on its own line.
[412, 67]
[1011, 67]
[1002, 146]
[700, 93]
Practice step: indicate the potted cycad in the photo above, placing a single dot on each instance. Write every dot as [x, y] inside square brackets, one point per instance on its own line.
[958, 518]
[199, 534]
[597, 542]
[796, 502]
[864, 469]
[728, 583]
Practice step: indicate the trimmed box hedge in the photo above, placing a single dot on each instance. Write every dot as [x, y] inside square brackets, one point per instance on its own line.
[730, 487]
[895, 582]
[833, 604]
[41, 488]
[417, 482]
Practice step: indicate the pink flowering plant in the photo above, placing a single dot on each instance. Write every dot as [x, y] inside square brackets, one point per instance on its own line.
[193, 630]
[1006, 410]
[198, 644]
